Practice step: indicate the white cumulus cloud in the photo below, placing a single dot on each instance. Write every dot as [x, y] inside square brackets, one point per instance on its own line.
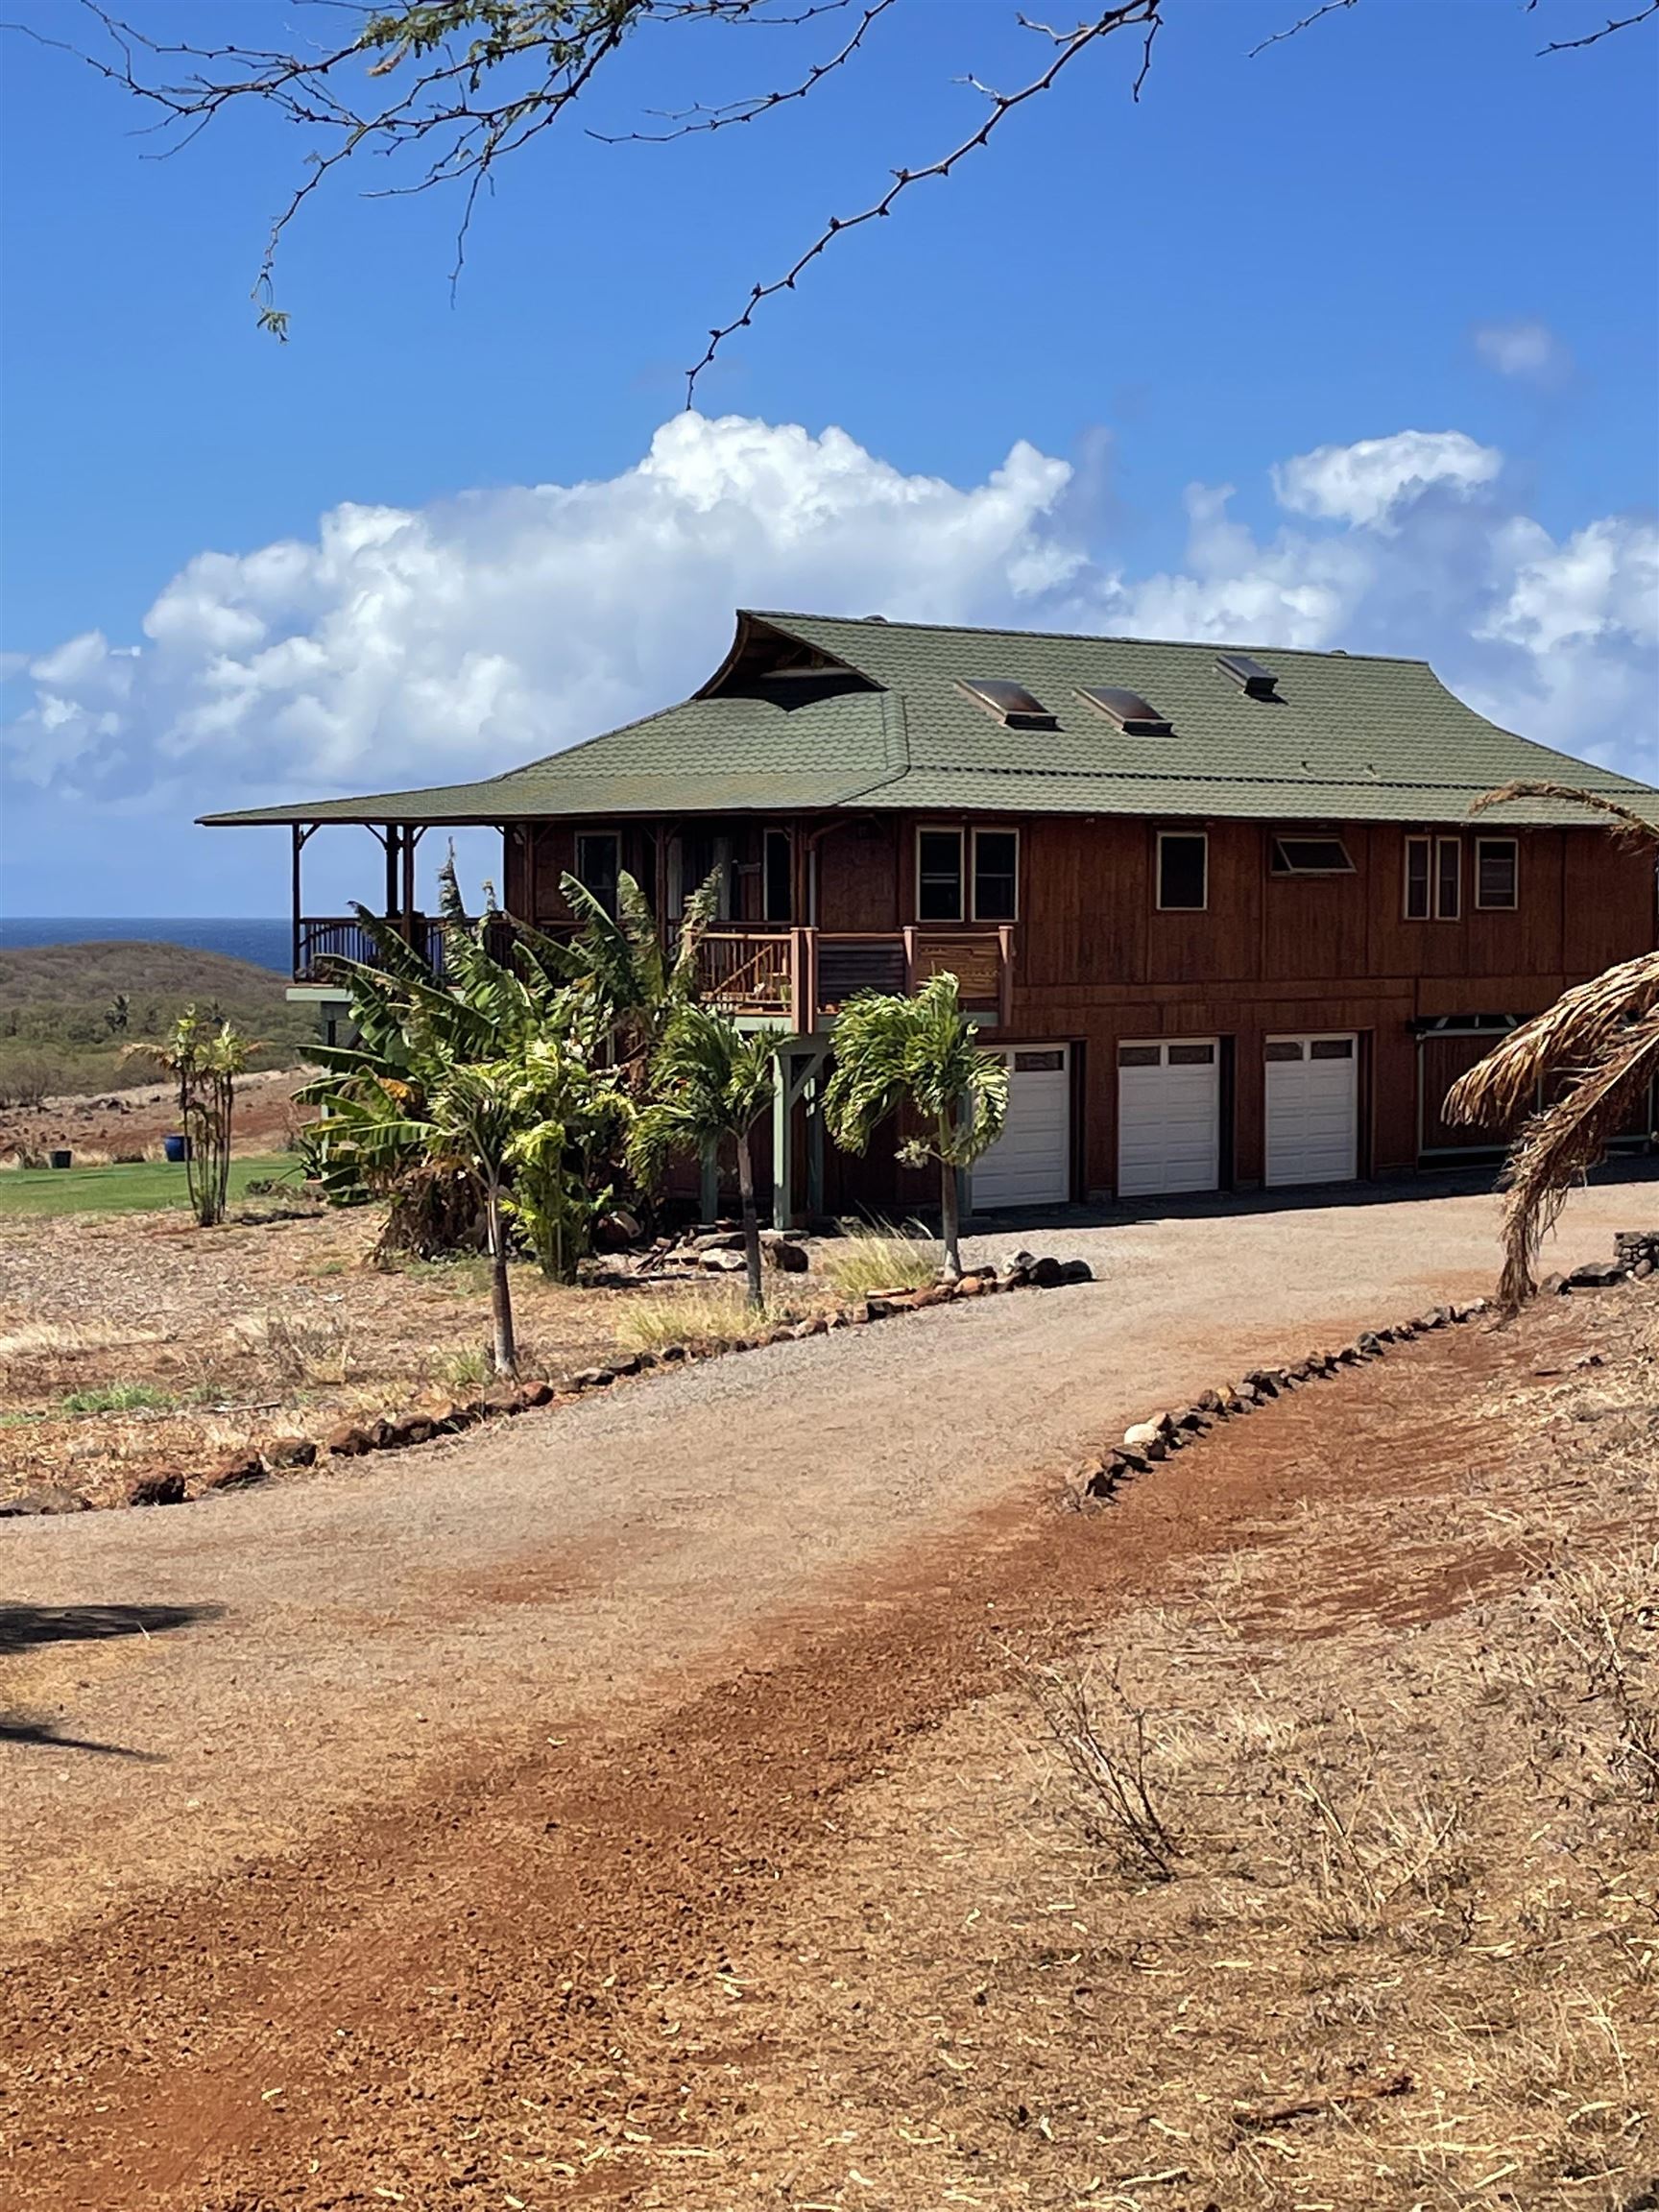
[1369, 483]
[401, 646]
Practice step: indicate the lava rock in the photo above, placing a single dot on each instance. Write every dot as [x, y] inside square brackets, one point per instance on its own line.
[289, 1451]
[349, 1441]
[238, 1474]
[1044, 1273]
[158, 1490]
[1077, 1271]
[1597, 1275]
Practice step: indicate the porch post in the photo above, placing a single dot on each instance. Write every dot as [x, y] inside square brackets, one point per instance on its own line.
[709, 1199]
[299, 847]
[815, 1143]
[782, 1151]
[410, 839]
[390, 840]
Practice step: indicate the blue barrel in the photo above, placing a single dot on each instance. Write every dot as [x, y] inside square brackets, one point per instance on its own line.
[176, 1149]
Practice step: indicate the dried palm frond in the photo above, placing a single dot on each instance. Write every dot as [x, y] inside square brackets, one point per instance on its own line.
[1561, 1143]
[1625, 823]
[1603, 1036]
[1572, 1036]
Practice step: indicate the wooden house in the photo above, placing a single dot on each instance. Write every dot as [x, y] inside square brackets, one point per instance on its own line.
[1227, 912]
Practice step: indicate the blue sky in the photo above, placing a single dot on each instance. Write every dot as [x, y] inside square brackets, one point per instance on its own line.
[429, 539]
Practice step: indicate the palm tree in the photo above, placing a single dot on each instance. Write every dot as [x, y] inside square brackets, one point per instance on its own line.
[711, 1081]
[1601, 1039]
[894, 1052]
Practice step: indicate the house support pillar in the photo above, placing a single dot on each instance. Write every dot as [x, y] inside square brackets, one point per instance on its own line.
[783, 1148]
[708, 1201]
[799, 1076]
[816, 1145]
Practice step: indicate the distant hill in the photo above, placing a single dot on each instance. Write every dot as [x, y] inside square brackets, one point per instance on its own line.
[63, 974]
[68, 1011]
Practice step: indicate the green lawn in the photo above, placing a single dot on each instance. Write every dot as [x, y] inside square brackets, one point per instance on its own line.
[34, 1191]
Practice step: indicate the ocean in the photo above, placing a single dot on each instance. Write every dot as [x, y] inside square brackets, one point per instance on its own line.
[266, 943]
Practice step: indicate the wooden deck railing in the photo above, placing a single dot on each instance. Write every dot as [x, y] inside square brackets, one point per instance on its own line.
[796, 977]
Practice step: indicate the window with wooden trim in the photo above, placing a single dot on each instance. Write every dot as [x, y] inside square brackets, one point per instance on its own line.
[598, 864]
[1497, 873]
[1434, 879]
[996, 874]
[938, 874]
[1308, 856]
[1183, 870]
[1448, 879]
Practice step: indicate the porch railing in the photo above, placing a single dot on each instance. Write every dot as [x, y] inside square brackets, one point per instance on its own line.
[804, 977]
[322, 942]
[796, 977]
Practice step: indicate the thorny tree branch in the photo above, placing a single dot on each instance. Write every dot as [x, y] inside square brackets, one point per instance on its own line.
[478, 80]
[1594, 37]
[1070, 45]
[690, 120]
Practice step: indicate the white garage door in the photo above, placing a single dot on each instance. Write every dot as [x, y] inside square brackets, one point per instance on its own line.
[1030, 1163]
[1312, 1109]
[1168, 1117]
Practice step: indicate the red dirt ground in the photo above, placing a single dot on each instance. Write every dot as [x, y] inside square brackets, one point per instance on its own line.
[487, 1976]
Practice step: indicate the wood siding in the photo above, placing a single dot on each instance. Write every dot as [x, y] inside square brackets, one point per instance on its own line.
[1096, 964]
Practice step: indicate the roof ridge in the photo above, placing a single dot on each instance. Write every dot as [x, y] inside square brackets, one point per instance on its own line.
[782, 616]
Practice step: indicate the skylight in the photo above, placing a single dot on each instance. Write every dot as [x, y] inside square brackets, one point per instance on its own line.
[1251, 678]
[1010, 701]
[1132, 714]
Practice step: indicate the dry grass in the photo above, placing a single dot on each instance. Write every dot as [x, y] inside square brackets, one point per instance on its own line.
[882, 1258]
[1331, 1884]
[715, 1314]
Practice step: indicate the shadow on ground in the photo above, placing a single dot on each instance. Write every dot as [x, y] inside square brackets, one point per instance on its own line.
[25, 1627]
[32, 1728]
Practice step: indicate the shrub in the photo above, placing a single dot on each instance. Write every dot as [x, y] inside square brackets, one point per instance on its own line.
[117, 1398]
[27, 1078]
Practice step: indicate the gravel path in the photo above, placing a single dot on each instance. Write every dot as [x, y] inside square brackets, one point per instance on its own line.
[573, 1570]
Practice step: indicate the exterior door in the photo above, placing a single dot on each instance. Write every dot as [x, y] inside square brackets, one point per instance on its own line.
[1312, 1109]
[1169, 1116]
[1030, 1163]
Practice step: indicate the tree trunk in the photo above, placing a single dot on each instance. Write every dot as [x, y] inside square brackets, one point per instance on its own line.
[503, 1350]
[751, 1221]
[949, 1216]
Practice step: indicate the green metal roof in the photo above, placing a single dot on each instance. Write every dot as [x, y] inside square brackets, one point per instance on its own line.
[887, 724]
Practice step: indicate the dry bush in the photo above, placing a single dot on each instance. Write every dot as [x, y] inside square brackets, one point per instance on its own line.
[296, 1349]
[1111, 1749]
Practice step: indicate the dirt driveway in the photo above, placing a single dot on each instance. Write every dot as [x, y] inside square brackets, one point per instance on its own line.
[330, 1641]
[325, 1803]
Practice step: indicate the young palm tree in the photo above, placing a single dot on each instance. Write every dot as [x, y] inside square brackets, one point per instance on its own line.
[892, 1052]
[1601, 1039]
[711, 1081]
[204, 1056]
